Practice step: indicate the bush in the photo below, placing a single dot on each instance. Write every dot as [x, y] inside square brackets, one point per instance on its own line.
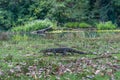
[72, 25]
[34, 25]
[84, 25]
[106, 26]
[77, 25]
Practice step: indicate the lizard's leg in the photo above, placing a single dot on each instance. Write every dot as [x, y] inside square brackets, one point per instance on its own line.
[54, 53]
[64, 53]
[72, 53]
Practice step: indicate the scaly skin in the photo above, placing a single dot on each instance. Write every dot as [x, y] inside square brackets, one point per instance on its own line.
[63, 51]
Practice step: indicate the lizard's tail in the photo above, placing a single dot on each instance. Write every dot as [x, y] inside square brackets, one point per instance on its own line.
[79, 52]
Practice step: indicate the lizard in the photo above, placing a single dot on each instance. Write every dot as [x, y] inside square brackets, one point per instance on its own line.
[63, 51]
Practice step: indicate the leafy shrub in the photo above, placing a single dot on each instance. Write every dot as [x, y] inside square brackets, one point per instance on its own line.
[77, 25]
[106, 26]
[69, 25]
[84, 25]
[34, 25]
[72, 25]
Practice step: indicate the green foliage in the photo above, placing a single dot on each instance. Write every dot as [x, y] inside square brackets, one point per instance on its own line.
[8, 58]
[34, 25]
[84, 25]
[77, 25]
[106, 26]
[19, 37]
[14, 13]
[72, 24]
[5, 19]
[117, 74]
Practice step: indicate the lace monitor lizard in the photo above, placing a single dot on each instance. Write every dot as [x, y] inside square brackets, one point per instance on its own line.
[63, 51]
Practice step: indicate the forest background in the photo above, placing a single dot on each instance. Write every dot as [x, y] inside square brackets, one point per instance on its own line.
[17, 12]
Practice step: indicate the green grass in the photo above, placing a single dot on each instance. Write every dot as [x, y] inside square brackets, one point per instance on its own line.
[26, 52]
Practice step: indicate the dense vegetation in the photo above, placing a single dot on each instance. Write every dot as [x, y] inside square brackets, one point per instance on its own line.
[18, 12]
